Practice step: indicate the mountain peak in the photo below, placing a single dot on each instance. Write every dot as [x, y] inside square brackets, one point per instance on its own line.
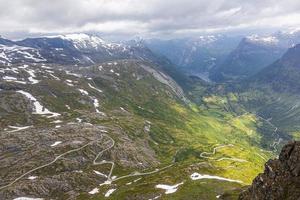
[280, 179]
[262, 39]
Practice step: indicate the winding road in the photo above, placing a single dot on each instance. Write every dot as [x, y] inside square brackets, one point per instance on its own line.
[204, 155]
[95, 162]
[45, 165]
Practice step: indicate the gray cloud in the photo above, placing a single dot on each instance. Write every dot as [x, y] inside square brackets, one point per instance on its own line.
[144, 17]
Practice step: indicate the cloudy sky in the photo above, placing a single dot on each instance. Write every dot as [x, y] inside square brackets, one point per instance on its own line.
[146, 18]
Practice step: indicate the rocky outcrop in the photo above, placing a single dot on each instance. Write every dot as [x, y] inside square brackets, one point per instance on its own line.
[281, 178]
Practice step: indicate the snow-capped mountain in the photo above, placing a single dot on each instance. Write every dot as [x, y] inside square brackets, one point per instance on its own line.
[254, 53]
[78, 49]
[284, 39]
[271, 40]
[197, 54]
[15, 54]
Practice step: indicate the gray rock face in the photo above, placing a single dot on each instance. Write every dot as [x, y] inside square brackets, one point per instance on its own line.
[281, 178]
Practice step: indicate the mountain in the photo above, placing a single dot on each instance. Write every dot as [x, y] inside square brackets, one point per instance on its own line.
[280, 179]
[118, 129]
[273, 95]
[125, 127]
[284, 74]
[247, 59]
[195, 55]
[82, 49]
[253, 54]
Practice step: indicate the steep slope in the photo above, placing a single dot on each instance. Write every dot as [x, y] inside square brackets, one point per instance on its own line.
[82, 49]
[247, 59]
[253, 54]
[195, 55]
[284, 74]
[281, 177]
[118, 129]
[273, 95]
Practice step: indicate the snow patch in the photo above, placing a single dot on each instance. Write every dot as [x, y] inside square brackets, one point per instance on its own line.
[56, 143]
[197, 176]
[109, 192]
[38, 108]
[32, 177]
[99, 173]
[18, 128]
[169, 188]
[83, 92]
[94, 88]
[94, 191]
[9, 78]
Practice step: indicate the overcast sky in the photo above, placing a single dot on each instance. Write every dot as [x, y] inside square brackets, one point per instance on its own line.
[146, 18]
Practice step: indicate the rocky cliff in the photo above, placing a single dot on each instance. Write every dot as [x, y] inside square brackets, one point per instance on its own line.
[281, 178]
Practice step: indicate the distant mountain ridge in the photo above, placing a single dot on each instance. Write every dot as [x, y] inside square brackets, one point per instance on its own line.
[284, 74]
[253, 54]
[196, 54]
[81, 49]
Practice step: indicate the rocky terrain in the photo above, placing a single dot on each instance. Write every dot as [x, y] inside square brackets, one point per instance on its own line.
[100, 131]
[131, 128]
[281, 177]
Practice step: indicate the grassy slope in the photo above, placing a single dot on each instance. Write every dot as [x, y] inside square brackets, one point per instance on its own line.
[178, 132]
[182, 132]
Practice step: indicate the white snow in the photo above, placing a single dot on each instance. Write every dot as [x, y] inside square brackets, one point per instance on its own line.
[79, 120]
[18, 128]
[107, 182]
[109, 192]
[136, 180]
[9, 53]
[197, 176]
[266, 39]
[33, 81]
[56, 143]
[55, 77]
[84, 92]
[94, 88]
[94, 191]
[31, 72]
[169, 188]
[27, 198]
[32, 177]
[9, 78]
[96, 105]
[16, 81]
[99, 173]
[38, 108]
[73, 74]
[123, 109]
[82, 41]
[56, 122]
